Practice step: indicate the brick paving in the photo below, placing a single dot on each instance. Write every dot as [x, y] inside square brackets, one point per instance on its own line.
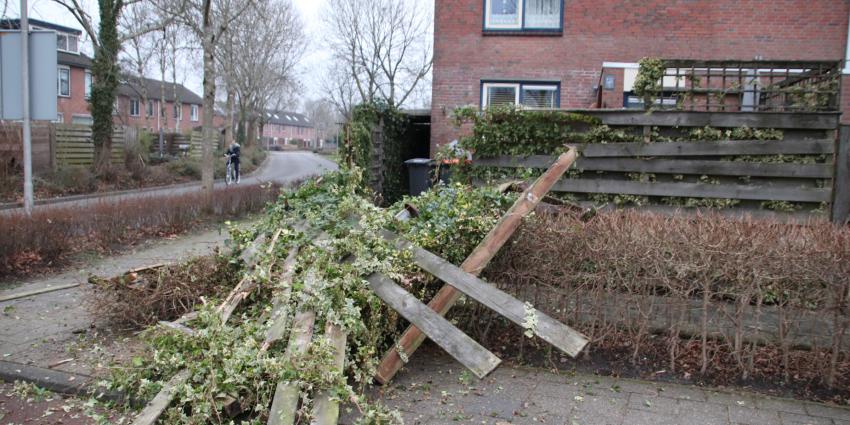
[433, 389]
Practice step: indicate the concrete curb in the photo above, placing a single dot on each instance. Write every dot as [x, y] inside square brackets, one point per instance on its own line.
[56, 381]
[72, 198]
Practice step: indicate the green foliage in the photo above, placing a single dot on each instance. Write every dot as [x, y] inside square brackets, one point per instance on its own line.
[366, 118]
[511, 131]
[105, 76]
[648, 83]
[226, 360]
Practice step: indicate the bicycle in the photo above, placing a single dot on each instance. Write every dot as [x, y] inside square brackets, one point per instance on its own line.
[229, 171]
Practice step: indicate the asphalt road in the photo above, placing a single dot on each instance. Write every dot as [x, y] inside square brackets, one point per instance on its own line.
[281, 167]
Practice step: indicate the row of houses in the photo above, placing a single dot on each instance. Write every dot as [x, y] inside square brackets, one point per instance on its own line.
[143, 102]
[731, 55]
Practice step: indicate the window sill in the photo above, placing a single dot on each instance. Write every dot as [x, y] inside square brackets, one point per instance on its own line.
[522, 33]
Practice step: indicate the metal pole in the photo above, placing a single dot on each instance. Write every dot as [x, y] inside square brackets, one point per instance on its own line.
[25, 95]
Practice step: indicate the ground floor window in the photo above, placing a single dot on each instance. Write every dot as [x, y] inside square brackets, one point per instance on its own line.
[532, 95]
[82, 120]
[134, 107]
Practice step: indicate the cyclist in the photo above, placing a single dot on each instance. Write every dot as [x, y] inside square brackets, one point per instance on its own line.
[233, 152]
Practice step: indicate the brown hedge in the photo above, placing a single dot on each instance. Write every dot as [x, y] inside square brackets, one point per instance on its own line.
[54, 232]
[715, 286]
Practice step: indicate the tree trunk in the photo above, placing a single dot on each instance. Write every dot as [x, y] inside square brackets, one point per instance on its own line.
[252, 131]
[231, 102]
[209, 107]
[105, 84]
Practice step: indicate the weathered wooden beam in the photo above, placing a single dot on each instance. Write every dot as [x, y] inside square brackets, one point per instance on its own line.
[477, 260]
[670, 166]
[155, 407]
[460, 346]
[550, 330]
[779, 120]
[280, 310]
[286, 395]
[285, 401]
[177, 327]
[841, 197]
[722, 148]
[696, 190]
[325, 409]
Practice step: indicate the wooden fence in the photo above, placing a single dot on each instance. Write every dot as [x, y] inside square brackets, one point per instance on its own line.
[74, 145]
[751, 174]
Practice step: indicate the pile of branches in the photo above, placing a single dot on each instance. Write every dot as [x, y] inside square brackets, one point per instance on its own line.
[142, 298]
[312, 252]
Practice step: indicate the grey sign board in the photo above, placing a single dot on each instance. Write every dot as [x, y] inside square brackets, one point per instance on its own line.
[43, 75]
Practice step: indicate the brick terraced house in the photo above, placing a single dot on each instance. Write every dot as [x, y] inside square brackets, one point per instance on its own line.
[283, 128]
[579, 54]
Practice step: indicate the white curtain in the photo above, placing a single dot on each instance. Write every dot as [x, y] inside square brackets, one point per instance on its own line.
[543, 14]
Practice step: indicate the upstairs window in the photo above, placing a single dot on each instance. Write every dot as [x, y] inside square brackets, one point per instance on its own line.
[193, 113]
[523, 15]
[64, 81]
[134, 107]
[88, 84]
[178, 112]
[149, 108]
[528, 95]
[67, 43]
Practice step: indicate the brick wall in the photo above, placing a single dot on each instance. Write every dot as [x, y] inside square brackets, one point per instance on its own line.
[596, 31]
[76, 104]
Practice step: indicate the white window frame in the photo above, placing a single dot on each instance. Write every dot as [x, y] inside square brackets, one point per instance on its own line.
[60, 118]
[177, 112]
[193, 113]
[138, 107]
[89, 80]
[59, 80]
[486, 86]
[488, 4]
[150, 108]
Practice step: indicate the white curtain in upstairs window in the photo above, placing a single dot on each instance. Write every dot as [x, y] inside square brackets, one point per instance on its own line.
[504, 12]
[543, 14]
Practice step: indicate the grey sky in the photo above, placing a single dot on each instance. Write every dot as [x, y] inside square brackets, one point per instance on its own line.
[312, 69]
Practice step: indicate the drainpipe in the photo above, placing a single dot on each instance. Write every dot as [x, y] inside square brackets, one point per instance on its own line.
[846, 70]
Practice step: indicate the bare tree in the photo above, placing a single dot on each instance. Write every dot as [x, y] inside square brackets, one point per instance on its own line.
[324, 118]
[208, 20]
[264, 50]
[383, 46]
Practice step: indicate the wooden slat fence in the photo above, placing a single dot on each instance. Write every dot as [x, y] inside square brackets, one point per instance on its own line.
[732, 169]
[74, 145]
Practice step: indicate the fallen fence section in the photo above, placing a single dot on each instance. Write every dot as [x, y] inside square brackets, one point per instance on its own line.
[477, 261]
[550, 330]
[463, 348]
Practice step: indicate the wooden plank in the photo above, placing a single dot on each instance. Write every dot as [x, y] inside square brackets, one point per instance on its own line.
[40, 291]
[778, 120]
[154, 409]
[325, 409]
[177, 327]
[694, 190]
[286, 395]
[280, 312]
[722, 148]
[670, 166]
[477, 260]
[460, 346]
[841, 197]
[550, 330]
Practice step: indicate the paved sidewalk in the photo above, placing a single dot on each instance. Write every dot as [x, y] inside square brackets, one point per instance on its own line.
[434, 389]
[44, 329]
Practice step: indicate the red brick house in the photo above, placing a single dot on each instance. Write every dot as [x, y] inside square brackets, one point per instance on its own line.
[284, 128]
[183, 108]
[576, 54]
